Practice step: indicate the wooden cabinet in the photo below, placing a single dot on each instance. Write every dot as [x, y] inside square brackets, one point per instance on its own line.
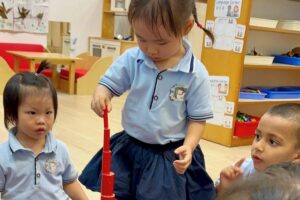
[268, 41]
[103, 47]
[113, 23]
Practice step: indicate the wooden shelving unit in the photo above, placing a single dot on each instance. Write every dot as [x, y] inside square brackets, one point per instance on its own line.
[108, 33]
[228, 63]
[108, 23]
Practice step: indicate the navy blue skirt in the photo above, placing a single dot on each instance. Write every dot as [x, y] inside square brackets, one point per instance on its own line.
[146, 172]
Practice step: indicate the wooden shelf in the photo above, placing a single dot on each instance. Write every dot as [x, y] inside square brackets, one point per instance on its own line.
[266, 101]
[108, 27]
[241, 74]
[274, 30]
[274, 66]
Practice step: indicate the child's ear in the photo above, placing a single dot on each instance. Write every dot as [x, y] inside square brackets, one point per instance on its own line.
[297, 157]
[188, 26]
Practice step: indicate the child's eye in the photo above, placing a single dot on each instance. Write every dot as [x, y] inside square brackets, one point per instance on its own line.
[163, 43]
[257, 136]
[49, 112]
[30, 112]
[274, 142]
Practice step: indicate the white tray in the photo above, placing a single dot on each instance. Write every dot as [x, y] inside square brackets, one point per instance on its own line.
[269, 23]
[289, 25]
[258, 60]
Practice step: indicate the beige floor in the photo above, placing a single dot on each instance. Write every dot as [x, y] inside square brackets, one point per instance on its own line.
[81, 130]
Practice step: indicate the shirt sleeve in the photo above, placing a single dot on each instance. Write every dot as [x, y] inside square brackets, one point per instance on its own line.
[2, 179]
[118, 77]
[199, 104]
[70, 174]
[248, 167]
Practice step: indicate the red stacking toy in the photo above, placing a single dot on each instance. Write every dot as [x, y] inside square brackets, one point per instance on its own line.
[107, 177]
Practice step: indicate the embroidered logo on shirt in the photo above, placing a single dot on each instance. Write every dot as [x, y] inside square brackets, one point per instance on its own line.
[52, 166]
[177, 93]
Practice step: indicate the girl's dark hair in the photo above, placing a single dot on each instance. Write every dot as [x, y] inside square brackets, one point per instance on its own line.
[172, 14]
[14, 92]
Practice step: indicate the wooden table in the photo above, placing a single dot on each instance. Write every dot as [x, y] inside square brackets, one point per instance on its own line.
[52, 58]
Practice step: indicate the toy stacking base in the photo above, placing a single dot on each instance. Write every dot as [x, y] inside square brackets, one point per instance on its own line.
[108, 187]
[107, 177]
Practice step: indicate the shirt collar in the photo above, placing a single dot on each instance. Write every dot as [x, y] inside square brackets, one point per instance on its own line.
[15, 145]
[186, 64]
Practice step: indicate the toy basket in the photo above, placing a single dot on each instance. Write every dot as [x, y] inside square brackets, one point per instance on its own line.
[246, 129]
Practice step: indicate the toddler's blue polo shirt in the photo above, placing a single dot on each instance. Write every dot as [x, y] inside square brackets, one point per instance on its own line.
[26, 176]
[159, 103]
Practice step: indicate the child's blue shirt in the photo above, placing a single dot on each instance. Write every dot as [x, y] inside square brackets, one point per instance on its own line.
[26, 176]
[159, 103]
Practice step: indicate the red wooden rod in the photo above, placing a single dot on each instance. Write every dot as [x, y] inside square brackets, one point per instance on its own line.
[105, 118]
[107, 177]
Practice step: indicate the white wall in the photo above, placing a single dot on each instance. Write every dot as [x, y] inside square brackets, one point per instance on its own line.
[84, 17]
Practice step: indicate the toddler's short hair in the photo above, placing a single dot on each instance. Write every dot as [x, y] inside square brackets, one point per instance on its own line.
[289, 111]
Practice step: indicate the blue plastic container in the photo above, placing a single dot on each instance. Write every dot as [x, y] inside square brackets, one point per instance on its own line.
[286, 60]
[282, 92]
[248, 95]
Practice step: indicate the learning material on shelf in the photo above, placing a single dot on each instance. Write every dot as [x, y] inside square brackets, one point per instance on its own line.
[269, 23]
[258, 60]
[289, 25]
[287, 60]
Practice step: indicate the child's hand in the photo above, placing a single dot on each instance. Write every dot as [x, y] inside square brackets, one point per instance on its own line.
[185, 158]
[230, 174]
[101, 99]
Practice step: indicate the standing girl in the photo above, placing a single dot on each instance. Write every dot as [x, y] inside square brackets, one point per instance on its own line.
[157, 156]
[33, 164]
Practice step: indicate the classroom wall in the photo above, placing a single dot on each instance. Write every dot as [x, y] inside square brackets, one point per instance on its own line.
[84, 17]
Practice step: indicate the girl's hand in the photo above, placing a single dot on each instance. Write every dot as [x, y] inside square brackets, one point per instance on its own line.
[101, 100]
[185, 158]
[230, 174]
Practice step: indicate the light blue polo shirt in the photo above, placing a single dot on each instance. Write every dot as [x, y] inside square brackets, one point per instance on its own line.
[26, 176]
[159, 102]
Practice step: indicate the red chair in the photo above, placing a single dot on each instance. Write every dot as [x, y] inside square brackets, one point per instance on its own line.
[24, 64]
[87, 73]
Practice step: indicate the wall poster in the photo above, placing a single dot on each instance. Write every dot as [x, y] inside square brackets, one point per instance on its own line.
[24, 15]
[228, 8]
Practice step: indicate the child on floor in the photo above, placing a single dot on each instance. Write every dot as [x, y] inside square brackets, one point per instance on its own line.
[277, 182]
[157, 156]
[277, 140]
[33, 164]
